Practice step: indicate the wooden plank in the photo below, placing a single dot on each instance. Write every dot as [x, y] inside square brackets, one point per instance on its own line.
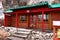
[20, 36]
[21, 32]
[22, 29]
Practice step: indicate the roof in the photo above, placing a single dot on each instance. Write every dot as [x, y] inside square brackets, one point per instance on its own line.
[30, 6]
[35, 5]
[54, 5]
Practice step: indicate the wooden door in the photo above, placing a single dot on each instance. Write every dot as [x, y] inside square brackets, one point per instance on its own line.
[32, 21]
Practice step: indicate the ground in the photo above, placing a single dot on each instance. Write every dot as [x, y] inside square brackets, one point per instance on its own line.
[27, 34]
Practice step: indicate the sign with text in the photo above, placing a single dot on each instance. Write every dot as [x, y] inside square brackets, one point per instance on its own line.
[56, 23]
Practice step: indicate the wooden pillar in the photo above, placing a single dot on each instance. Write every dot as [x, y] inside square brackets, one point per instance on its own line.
[36, 21]
[50, 21]
[54, 32]
[42, 21]
[16, 21]
[4, 20]
[28, 20]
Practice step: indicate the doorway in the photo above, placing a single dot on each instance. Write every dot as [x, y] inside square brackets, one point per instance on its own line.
[32, 22]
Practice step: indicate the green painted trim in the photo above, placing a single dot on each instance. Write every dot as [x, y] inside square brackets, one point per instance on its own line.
[54, 5]
[8, 11]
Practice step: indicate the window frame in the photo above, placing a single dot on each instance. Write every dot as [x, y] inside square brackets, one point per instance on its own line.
[23, 20]
[45, 17]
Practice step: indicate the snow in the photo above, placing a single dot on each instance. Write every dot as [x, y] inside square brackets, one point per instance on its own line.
[1, 11]
[37, 1]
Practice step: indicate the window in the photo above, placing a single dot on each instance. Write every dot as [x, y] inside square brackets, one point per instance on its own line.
[45, 17]
[23, 18]
[39, 17]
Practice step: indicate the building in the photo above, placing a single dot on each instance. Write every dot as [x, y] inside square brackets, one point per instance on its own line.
[39, 16]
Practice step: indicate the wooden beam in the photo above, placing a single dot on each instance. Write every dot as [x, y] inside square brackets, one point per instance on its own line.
[50, 21]
[23, 11]
[42, 21]
[16, 21]
[28, 20]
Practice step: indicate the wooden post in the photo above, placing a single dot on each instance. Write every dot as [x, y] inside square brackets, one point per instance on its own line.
[42, 21]
[36, 21]
[4, 20]
[16, 20]
[50, 21]
[54, 32]
[28, 20]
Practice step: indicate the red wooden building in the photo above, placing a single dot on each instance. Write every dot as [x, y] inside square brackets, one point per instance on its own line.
[32, 16]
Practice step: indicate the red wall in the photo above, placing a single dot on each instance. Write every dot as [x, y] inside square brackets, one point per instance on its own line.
[11, 20]
[22, 24]
[55, 16]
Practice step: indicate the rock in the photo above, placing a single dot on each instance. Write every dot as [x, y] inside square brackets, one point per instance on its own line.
[3, 34]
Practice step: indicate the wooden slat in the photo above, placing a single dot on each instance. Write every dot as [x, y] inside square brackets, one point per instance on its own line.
[22, 29]
[22, 32]
[21, 36]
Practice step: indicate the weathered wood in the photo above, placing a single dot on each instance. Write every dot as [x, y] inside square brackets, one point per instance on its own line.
[21, 32]
[50, 21]
[22, 29]
[21, 36]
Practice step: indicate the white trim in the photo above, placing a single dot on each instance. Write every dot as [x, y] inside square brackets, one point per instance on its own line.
[56, 23]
